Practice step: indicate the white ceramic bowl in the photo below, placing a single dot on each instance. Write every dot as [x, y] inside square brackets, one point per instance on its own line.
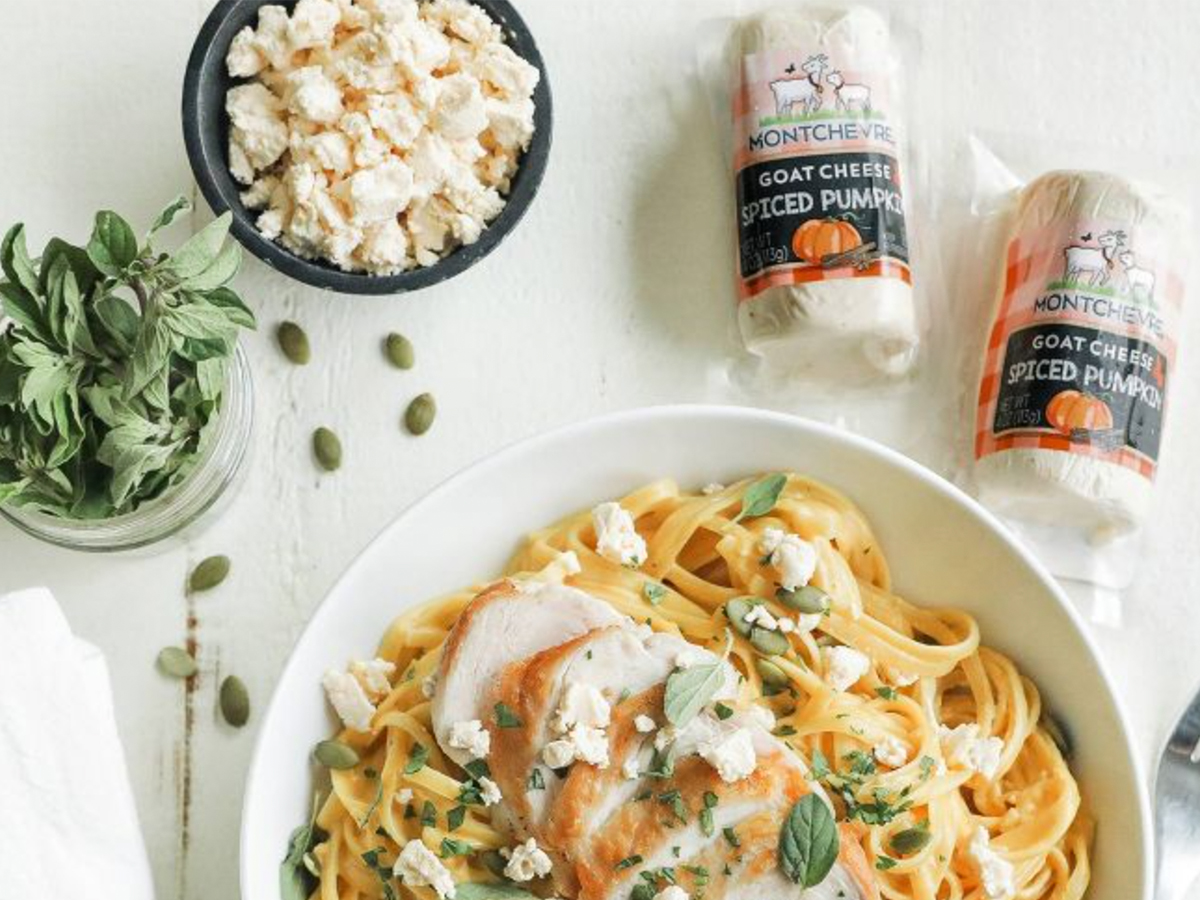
[944, 550]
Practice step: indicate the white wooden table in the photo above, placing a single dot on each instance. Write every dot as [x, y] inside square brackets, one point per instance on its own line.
[611, 294]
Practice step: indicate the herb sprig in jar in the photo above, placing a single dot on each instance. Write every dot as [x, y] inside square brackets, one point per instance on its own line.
[112, 364]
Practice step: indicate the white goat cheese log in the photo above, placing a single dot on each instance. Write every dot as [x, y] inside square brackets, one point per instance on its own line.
[1081, 353]
[825, 283]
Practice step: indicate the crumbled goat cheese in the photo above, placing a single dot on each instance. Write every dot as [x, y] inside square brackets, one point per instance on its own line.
[526, 862]
[429, 686]
[404, 795]
[374, 676]
[557, 754]
[644, 724]
[732, 755]
[965, 748]
[899, 677]
[616, 537]
[891, 751]
[413, 117]
[591, 745]
[489, 792]
[671, 892]
[631, 768]
[762, 716]
[844, 666]
[793, 557]
[472, 737]
[349, 700]
[582, 705]
[786, 625]
[995, 872]
[418, 866]
[570, 562]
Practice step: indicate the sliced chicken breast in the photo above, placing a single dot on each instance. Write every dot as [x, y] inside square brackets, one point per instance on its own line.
[637, 800]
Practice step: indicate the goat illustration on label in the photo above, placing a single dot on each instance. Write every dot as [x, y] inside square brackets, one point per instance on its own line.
[1107, 263]
[808, 91]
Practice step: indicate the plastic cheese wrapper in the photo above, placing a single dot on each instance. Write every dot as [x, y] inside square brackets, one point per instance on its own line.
[824, 278]
[1087, 288]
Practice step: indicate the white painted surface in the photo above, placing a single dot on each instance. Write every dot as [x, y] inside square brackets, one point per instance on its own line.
[612, 294]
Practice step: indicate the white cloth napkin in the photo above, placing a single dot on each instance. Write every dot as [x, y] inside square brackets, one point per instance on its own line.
[70, 828]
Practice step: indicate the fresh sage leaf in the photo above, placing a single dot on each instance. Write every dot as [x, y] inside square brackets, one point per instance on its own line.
[235, 701]
[760, 498]
[808, 842]
[490, 890]
[690, 690]
[295, 881]
[113, 245]
[505, 717]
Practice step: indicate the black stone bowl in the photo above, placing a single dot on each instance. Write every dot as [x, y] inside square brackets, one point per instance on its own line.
[206, 132]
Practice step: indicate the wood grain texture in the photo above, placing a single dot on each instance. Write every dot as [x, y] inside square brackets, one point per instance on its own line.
[613, 293]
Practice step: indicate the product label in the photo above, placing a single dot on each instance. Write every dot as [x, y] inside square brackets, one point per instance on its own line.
[1081, 353]
[819, 192]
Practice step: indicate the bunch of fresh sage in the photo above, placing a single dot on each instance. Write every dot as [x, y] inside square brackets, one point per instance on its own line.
[113, 360]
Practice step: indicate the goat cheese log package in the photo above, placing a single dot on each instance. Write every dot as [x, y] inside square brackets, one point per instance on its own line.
[1078, 365]
[824, 277]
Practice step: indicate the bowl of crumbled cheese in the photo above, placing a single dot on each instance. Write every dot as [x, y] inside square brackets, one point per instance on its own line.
[368, 146]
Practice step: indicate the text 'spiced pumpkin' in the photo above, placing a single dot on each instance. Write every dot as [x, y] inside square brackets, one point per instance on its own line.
[819, 238]
[1071, 410]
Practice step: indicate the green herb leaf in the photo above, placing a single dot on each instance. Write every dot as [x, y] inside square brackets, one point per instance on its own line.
[887, 693]
[428, 814]
[536, 781]
[653, 592]
[723, 712]
[628, 862]
[295, 883]
[760, 498]
[454, 847]
[808, 842]
[201, 250]
[731, 837]
[490, 890]
[505, 717]
[883, 863]
[690, 690]
[113, 245]
[167, 217]
[455, 817]
[417, 757]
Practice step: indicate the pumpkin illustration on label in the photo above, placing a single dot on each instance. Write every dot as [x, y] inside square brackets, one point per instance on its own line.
[817, 239]
[1071, 411]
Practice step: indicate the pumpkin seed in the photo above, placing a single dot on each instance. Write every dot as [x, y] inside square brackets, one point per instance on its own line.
[736, 611]
[328, 449]
[335, 755]
[770, 673]
[399, 351]
[208, 574]
[294, 343]
[771, 643]
[176, 662]
[235, 701]
[910, 841]
[420, 414]
[808, 599]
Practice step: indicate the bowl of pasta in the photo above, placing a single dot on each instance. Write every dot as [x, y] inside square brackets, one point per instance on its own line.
[694, 652]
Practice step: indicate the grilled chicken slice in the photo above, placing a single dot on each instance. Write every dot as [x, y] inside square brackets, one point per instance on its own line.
[606, 821]
[502, 625]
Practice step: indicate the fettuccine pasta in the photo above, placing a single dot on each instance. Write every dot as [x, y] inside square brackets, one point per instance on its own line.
[941, 734]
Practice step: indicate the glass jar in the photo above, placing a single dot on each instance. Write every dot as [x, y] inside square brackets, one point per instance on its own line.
[181, 512]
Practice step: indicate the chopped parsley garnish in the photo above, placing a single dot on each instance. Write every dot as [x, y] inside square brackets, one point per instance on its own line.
[381, 870]
[628, 862]
[455, 847]
[785, 731]
[409, 811]
[653, 592]
[723, 712]
[455, 818]
[674, 800]
[887, 693]
[478, 768]
[505, 717]
[927, 765]
[884, 863]
[536, 781]
[661, 765]
[707, 827]
[731, 836]
[862, 764]
[417, 757]
[429, 815]
[820, 766]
